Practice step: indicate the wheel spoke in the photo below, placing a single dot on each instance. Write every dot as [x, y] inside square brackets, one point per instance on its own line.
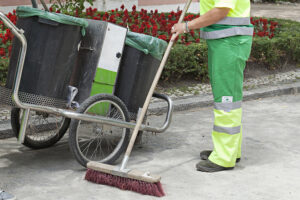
[96, 141]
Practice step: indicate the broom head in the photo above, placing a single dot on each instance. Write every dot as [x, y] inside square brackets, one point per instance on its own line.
[132, 180]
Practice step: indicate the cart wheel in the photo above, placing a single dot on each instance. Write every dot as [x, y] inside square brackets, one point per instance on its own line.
[43, 130]
[91, 141]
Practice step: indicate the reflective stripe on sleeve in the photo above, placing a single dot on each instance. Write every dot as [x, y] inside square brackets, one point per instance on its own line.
[228, 106]
[227, 32]
[228, 130]
[235, 21]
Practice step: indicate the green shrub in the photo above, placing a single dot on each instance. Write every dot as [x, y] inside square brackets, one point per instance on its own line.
[284, 48]
[187, 62]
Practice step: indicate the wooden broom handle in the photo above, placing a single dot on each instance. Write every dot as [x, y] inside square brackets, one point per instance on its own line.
[153, 86]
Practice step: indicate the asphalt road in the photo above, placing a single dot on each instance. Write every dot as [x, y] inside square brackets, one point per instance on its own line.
[269, 168]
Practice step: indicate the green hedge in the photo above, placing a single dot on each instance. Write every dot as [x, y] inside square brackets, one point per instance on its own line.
[190, 62]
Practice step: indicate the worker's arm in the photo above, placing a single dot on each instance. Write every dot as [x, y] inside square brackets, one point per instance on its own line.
[209, 18]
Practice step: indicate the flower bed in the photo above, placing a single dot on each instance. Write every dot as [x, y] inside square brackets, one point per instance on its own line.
[160, 24]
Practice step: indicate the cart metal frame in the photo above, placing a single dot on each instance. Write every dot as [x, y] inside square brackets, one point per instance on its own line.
[19, 33]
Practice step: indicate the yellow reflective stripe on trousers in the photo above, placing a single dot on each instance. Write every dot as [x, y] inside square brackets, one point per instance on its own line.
[226, 33]
[228, 119]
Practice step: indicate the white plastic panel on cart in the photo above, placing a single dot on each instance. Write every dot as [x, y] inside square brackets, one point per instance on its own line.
[113, 44]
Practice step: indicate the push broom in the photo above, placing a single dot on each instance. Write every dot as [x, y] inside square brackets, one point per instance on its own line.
[119, 176]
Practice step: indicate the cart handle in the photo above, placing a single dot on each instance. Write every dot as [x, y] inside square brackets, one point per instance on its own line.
[168, 116]
[19, 33]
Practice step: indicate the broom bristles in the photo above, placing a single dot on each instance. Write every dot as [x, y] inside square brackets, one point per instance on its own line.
[154, 189]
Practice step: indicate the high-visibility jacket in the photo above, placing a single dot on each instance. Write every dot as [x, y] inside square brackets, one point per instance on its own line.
[237, 21]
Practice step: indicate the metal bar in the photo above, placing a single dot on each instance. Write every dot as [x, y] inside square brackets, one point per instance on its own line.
[23, 126]
[168, 116]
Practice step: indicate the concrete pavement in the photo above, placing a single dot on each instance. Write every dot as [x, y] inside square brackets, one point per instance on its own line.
[269, 168]
[291, 11]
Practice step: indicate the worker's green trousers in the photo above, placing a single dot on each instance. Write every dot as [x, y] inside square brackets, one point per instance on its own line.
[227, 60]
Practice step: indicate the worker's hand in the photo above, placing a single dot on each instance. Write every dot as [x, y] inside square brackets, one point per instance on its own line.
[178, 29]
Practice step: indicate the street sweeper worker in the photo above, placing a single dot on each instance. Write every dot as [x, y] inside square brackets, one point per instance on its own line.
[225, 24]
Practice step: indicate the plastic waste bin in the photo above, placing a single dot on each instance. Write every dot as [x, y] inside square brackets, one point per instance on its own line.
[140, 61]
[53, 42]
[98, 61]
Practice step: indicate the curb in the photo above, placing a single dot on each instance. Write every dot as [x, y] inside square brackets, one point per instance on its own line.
[187, 103]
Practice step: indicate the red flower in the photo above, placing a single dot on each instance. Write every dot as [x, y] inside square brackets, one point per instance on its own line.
[122, 7]
[183, 39]
[2, 52]
[134, 8]
[273, 23]
[126, 12]
[192, 32]
[265, 27]
[162, 37]
[272, 28]
[261, 34]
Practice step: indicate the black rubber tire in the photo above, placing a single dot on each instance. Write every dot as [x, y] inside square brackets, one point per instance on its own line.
[37, 144]
[75, 123]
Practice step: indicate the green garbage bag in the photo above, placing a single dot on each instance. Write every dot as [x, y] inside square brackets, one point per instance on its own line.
[147, 44]
[24, 11]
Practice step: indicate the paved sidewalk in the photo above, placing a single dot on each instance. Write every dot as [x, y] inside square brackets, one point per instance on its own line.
[291, 12]
[269, 168]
